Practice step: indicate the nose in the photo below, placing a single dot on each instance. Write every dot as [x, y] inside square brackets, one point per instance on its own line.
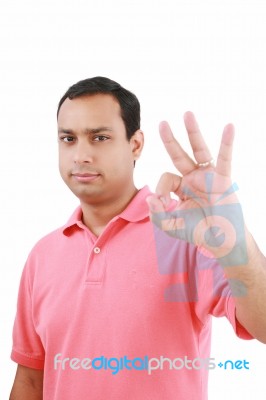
[83, 152]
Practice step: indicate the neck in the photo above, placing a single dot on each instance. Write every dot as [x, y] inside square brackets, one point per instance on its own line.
[96, 216]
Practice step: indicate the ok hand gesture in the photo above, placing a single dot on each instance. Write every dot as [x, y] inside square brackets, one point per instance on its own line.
[208, 212]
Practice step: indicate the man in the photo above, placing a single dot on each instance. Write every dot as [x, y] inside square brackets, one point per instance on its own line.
[113, 306]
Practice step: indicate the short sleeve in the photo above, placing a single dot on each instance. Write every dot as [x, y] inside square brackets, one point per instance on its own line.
[27, 347]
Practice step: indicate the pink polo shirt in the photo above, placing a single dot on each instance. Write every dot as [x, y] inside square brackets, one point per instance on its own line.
[126, 315]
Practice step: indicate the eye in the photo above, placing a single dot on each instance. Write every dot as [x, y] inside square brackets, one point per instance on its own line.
[67, 139]
[100, 138]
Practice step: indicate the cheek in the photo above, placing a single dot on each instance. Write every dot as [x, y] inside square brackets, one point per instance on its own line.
[63, 164]
[122, 165]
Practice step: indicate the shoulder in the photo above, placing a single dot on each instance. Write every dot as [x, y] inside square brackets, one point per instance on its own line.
[44, 247]
[55, 237]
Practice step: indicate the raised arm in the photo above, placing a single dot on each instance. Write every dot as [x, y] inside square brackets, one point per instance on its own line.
[208, 214]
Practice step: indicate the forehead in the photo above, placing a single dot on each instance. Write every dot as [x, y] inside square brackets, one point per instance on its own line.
[96, 107]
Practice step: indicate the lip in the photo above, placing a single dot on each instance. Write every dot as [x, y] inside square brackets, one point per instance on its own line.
[87, 177]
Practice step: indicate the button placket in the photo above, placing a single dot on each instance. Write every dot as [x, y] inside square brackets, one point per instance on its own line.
[97, 259]
[97, 250]
[96, 264]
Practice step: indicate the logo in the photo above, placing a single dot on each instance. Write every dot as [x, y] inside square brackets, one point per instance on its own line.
[218, 232]
[146, 363]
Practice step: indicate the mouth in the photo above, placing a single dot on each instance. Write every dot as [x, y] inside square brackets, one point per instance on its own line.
[85, 177]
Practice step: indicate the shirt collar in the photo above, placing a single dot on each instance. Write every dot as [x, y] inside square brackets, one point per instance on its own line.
[137, 210]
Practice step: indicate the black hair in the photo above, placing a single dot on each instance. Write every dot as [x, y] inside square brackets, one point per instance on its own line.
[129, 104]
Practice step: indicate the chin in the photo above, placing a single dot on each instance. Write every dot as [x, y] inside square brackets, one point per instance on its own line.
[89, 196]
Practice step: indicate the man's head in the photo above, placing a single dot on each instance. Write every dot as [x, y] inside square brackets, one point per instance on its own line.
[129, 104]
[99, 140]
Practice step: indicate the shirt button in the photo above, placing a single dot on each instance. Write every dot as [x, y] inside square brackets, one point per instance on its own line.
[96, 250]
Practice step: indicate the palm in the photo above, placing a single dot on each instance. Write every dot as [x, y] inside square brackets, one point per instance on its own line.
[206, 195]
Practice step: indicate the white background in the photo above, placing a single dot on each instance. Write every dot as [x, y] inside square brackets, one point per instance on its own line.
[204, 56]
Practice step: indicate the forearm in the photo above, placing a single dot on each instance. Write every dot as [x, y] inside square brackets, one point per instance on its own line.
[24, 391]
[28, 384]
[250, 279]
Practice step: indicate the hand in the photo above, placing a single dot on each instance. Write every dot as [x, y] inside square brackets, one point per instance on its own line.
[208, 213]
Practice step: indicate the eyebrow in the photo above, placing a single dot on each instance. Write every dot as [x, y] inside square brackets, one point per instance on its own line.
[89, 131]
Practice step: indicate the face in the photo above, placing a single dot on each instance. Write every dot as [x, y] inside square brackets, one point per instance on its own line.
[95, 158]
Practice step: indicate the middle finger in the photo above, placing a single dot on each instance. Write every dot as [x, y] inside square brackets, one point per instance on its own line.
[200, 149]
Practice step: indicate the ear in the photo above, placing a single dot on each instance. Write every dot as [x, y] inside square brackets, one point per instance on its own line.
[137, 143]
